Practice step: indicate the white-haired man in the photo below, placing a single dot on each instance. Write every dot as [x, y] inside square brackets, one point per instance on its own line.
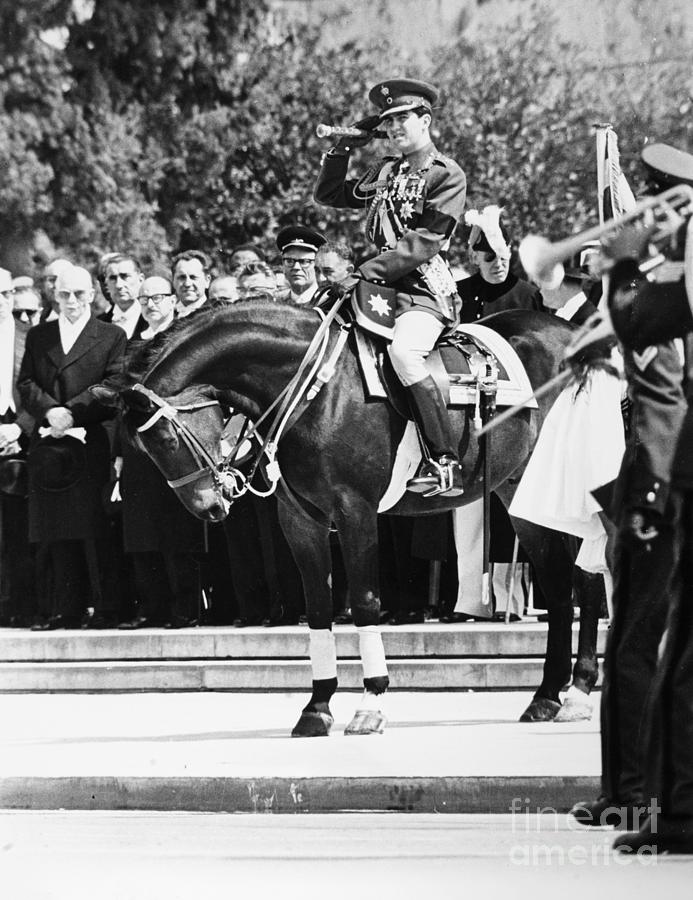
[69, 455]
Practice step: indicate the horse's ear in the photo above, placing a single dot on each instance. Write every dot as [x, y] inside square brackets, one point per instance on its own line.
[136, 401]
[224, 397]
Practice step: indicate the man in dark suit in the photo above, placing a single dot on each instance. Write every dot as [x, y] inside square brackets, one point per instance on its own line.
[123, 278]
[16, 581]
[69, 454]
[191, 274]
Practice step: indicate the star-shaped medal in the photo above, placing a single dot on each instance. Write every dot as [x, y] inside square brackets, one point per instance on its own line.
[379, 305]
[406, 210]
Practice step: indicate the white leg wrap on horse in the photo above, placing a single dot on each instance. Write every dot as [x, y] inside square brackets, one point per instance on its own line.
[371, 701]
[372, 651]
[323, 654]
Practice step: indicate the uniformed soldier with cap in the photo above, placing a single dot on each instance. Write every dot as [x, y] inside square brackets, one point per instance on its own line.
[646, 312]
[414, 202]
[494, 287]
[298, 246]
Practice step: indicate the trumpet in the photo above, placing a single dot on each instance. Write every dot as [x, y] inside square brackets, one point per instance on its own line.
[665, 214]
[328, 131]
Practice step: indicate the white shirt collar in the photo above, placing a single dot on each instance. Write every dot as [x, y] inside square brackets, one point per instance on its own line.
[128, 319]
[184, 311]
[150, 332]
[306, 296]
[70, 331]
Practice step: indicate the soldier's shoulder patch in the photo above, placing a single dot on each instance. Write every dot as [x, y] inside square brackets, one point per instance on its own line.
[642, 360]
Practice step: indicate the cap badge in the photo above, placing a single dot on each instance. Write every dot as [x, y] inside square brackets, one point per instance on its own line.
[384, 90]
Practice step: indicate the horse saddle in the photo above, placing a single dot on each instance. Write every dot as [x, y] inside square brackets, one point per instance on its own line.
[457, 363]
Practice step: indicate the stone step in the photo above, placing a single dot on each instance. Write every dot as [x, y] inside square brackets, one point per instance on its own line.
[431, 640]
[261, 675]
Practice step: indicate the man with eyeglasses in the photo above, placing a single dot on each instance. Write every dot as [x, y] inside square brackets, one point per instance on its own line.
[158, 304]
[298, 246]
[493, 288]
[70, 456]
[123, 278]
[414, 201]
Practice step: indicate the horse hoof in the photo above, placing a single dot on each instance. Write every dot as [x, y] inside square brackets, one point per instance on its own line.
[541, 709]
[313, 724]
[577, 707]
[366, 721]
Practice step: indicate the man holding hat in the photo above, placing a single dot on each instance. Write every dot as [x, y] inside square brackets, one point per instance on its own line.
[493, 288]
[298, 246]
[414, 202]
[69, 455]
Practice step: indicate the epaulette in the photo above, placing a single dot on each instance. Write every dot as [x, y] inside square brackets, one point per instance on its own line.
[445, 160]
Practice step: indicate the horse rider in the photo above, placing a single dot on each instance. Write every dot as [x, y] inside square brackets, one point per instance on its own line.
[414, 203]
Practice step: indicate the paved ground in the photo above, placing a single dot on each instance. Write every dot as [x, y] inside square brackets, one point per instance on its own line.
[166, 856]
[441, 752]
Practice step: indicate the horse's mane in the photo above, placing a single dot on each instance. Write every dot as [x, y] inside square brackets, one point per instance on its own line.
[144, 355]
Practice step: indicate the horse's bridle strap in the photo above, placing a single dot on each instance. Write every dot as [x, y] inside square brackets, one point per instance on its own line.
[196, 448]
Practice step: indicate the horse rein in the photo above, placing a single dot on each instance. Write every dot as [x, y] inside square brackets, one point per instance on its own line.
[206, 463]
[224, 475]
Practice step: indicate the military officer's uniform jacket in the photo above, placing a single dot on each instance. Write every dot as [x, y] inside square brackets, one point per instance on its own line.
[414, 204]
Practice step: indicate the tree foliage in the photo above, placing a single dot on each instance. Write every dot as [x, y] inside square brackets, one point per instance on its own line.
[155, 126]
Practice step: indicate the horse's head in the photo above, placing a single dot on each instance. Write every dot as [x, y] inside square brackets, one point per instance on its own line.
[182, 436]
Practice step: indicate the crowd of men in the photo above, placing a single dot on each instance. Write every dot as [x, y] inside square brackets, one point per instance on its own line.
[91, 534]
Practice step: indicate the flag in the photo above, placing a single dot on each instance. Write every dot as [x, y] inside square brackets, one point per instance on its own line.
[614, 196]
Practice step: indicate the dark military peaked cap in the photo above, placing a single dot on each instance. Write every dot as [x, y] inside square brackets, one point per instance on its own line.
[299, 236]
[401, 95]
[667, 166]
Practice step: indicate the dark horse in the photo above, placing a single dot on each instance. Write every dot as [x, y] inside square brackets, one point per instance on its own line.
[336, 457]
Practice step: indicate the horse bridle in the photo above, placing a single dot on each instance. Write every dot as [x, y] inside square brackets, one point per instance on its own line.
[206, 464]
[227, 478]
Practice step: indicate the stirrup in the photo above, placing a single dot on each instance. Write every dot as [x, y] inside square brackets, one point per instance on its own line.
[439, 479]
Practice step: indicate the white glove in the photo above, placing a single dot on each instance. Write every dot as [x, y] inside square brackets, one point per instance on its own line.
[9, 434]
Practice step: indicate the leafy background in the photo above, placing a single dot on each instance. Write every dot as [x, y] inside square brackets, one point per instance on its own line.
[153, 127]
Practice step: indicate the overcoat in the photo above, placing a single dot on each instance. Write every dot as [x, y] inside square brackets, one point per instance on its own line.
[48, 378]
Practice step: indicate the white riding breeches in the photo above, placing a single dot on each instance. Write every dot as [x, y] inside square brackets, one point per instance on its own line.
[416, 333]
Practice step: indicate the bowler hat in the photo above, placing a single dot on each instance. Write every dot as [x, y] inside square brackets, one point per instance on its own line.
[299, 236]
[56, 464]
[13, 479]
[402, 95]
[666, 165]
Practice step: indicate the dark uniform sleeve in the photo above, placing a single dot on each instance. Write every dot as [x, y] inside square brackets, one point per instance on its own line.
[443, 207]
[658, 407]
[333, 188]
[644, 312]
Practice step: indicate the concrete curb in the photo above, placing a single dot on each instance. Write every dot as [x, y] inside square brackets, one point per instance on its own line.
[457, 794]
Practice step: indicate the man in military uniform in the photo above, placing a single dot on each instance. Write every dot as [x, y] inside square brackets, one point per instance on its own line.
[648, 312]
[298, 246]
[414, 203]
[493, 288]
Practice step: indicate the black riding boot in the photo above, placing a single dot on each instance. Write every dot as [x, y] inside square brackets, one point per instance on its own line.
[442, 473]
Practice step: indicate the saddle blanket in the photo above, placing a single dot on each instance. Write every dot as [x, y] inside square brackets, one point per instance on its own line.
[514, 388]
